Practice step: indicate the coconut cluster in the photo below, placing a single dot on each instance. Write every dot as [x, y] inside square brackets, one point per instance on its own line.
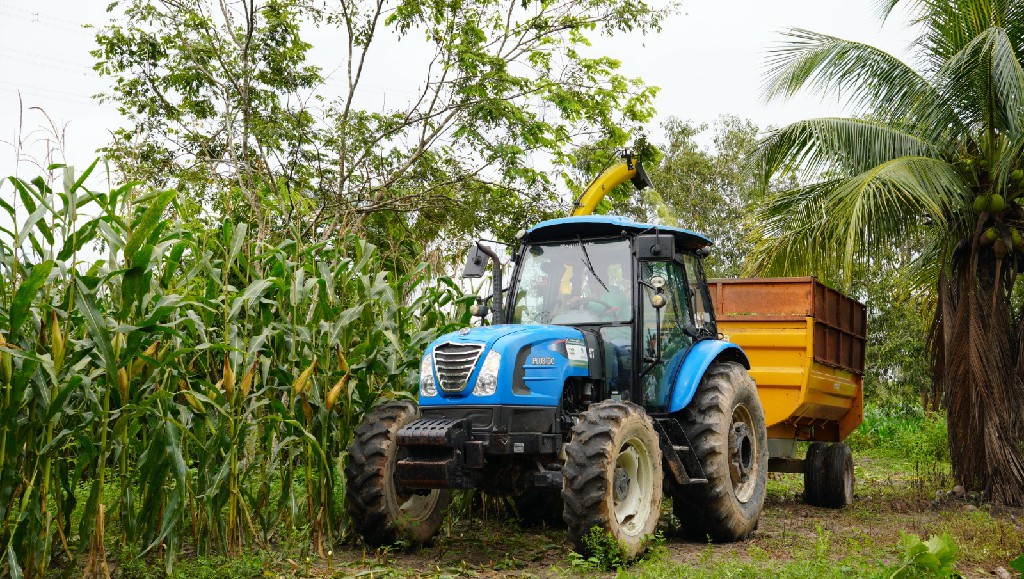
[1004, 215]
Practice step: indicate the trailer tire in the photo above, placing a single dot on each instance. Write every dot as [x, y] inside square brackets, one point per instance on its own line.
[837, 491]
[725, 424]
[612, 478]
[537, 507]
[379, 513]
[814, 474]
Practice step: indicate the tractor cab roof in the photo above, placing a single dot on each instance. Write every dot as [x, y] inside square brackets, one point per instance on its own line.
[567, 228]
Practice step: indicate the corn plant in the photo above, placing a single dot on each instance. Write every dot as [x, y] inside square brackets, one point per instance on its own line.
[166, 383]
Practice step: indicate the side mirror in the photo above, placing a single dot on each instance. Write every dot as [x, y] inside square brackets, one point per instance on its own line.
[476, 264]
[655, 247]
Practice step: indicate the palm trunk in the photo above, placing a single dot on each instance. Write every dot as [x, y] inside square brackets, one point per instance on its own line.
[977, 365]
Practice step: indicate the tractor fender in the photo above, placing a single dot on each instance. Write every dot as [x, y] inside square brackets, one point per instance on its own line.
[696, 361]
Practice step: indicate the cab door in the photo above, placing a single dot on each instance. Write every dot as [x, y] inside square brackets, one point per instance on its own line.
[656, 379]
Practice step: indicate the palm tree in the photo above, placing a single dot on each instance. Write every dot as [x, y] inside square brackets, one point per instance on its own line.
[933, 153]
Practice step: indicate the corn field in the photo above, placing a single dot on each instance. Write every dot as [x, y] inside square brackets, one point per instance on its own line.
[168, 385]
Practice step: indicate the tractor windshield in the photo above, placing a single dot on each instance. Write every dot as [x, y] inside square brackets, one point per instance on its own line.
[587, 282]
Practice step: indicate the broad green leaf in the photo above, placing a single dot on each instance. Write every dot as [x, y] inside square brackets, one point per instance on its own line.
[148, 222]
[25, 296]
[96, 328]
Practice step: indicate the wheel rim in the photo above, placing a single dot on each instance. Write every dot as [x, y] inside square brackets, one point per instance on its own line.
[409, 508]
[632, 486]
[744, 448]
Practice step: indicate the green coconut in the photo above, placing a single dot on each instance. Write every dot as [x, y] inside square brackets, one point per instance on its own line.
[989, 236]
[1017, 240]
[980, 203]
[1017, 175]
[996, 203]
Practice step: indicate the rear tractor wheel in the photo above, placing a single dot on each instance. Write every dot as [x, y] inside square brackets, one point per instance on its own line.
[725, 424]
[381, 511]
[612, 476]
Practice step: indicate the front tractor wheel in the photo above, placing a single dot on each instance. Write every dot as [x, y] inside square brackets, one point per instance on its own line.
[612, 476]
[725, 424]
[381, 511]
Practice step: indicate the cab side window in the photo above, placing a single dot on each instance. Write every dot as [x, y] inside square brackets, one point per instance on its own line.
[657, 383]
[698, 297]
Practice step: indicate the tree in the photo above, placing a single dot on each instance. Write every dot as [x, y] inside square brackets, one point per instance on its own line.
[938, 150]
[709, 191]
[221, 102]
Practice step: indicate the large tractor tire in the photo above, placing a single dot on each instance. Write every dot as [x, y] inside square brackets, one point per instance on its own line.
[725, 424]
[537, 507]
[612, 476]
[814, 474]
[381, 512]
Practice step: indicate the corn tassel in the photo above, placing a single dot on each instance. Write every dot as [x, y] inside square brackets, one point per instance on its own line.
[300, 383]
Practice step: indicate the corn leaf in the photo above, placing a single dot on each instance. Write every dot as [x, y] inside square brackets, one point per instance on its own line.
[26, 295]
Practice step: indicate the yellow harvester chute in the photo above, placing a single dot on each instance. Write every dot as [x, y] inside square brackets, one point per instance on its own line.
[629, 169]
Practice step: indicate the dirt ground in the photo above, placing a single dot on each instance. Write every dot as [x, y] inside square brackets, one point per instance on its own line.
[891, 498]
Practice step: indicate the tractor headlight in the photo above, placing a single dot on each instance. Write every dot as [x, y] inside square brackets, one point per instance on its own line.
[427, 385]
[487, 380]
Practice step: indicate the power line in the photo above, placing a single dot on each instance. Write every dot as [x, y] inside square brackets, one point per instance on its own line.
[37, 19]
[36, 13]
[48, 92]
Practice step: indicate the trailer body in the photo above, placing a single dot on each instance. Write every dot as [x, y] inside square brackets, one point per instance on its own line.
[806, 345]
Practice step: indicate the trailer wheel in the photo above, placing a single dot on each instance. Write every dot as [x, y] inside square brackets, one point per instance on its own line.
[837, 491]
[725, 424]
[814, 474]
[612, 476]
[539, 506]
[380, 511]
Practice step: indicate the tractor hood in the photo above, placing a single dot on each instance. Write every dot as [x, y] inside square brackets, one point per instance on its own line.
[530, 364]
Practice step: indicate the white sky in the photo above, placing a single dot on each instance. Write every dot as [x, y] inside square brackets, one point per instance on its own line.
[708, 61]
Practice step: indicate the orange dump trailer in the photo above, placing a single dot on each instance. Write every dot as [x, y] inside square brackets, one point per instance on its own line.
[805, 342]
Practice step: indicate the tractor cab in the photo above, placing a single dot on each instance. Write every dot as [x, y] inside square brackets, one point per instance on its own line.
[635, 291]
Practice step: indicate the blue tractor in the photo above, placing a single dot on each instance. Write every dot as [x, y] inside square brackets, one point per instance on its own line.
[601, 386]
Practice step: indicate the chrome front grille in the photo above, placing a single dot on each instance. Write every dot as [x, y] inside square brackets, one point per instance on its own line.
[454, 363]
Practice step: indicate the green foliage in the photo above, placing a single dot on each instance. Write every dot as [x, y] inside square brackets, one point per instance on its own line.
[1018, 564]
[932, 558]
[709, 189]
[606, 554]
[151, 393]
[222, 104]
[929, 160]
[903, 432]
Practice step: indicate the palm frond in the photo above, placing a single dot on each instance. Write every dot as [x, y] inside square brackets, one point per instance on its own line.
[868, 79]
[987, 72]
[948, 27]
[850, 146]
[831, 224]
